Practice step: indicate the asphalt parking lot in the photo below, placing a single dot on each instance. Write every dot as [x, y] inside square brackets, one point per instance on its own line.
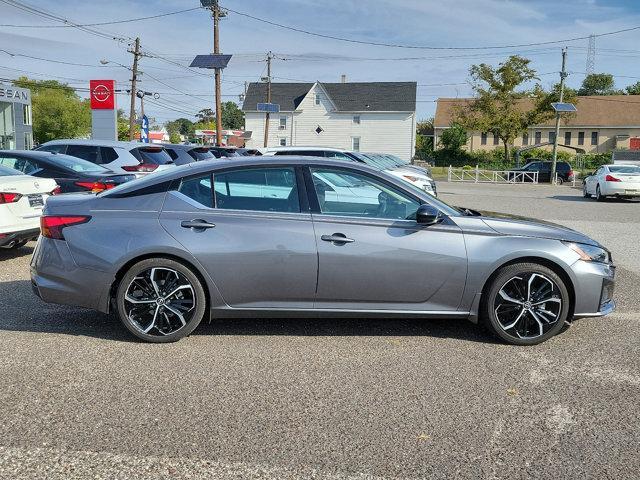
[277, 399]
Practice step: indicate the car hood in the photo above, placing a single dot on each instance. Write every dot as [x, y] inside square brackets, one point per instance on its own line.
[507, 224]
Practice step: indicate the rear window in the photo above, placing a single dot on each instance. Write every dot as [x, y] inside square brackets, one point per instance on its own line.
[201, 154]
[158, 156]
[108, 155]
[6, 171]
[625, 169]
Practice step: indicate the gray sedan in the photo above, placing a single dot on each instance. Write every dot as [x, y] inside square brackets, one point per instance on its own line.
[291, 236]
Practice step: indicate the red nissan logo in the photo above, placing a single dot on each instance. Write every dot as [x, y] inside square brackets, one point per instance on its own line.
[101, 93]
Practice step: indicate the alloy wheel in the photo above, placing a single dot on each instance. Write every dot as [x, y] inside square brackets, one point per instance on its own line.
[528, 305]
[159, 301]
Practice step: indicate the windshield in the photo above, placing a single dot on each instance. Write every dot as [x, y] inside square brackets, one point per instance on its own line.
[7, 172]
[76, 164]
[400, 162]
[155, 155]
[632, 169]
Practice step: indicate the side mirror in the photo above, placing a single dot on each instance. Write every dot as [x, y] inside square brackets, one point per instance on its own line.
[428, 215]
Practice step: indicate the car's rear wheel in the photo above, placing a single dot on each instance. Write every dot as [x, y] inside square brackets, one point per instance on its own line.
[526, 304]
[560, 181]
[160, 300]
[599, 196]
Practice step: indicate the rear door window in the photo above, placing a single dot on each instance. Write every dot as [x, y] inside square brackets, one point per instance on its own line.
[85, 152]
[261, 189]
[53, 148]
[23, 165]
[198, 189]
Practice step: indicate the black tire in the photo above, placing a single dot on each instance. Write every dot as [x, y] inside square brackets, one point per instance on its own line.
[163, 318]
[560, 181]
[585, 194]
[526, 330]
[599, 196]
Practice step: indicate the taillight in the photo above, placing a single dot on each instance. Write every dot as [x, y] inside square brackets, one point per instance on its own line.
[51, 225]
[611, 178]
[142, 167]
[95, 186]
[9, 197]
[56, 191]
[570, 174]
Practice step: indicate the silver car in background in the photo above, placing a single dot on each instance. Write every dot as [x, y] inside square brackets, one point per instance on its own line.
[292, 236]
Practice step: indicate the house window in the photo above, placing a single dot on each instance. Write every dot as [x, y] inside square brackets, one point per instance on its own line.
[567, 138]
[26, 114]
[496, 139]
[317, 99]
[594, 138]
[283, 142]
[355, 144]
[483, 138]
[28, 141]
[319, 130]
[552, 137]
[356, 119]
[538, 137]
[580, 138]
[283, 123]
[525, 139]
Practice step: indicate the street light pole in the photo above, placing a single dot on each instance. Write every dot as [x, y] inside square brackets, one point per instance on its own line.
[563, 75]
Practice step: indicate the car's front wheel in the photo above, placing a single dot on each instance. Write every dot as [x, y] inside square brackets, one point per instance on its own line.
[525, 304]
[585, 193]
[160, 300]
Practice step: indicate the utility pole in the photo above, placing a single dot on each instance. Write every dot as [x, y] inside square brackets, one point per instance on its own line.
[134, 79]
[266, 116]
[216, 50]
[563, 75]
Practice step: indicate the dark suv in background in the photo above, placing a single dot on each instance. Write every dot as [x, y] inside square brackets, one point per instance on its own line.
[543, 167]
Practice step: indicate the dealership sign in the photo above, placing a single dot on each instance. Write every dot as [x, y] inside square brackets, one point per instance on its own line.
[14, 95]
[103, 94]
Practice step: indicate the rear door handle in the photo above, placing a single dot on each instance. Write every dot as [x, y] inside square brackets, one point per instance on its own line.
[337, 238]
[197, 224]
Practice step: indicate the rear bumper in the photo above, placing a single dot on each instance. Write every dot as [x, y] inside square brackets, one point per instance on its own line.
[620, 190]
[8, 239]
[56, 278]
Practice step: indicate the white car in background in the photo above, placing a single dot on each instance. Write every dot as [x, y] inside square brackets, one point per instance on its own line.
[617, 180]
[412, 174]
[22, 198]
[120, 157]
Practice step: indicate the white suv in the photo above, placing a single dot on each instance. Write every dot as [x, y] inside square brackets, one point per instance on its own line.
[120, 157]
[416, 176]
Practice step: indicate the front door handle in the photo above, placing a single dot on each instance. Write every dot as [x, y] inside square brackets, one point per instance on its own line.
[197, 224]
[340, 238]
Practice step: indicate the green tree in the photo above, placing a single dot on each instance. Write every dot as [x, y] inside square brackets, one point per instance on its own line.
[633, 89]
[232, 116]
[205, 115]
[424, 139]
[599, 84]
[500, 103]
[58, 112]
[123, 126]
[453, 138]
[183, 126]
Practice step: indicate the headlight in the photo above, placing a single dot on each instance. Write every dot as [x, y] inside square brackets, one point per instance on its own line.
[589, 253]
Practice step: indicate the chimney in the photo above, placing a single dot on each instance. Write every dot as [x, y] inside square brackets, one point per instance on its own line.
[343, 78]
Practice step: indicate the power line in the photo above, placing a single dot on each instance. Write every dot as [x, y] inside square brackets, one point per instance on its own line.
[425, 47]
[114, 22]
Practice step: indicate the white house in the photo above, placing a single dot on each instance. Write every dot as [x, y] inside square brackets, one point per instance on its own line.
[369, 117]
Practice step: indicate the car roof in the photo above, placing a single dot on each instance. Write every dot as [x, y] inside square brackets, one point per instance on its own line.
[100, 143]
[35, 154]
[213, 165]
[180, 146]
[298, 148]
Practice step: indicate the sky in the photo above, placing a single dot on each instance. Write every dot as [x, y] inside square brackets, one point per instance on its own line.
[450, 24]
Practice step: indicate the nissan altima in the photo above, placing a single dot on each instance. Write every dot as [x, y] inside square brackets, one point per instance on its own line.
[297, 237]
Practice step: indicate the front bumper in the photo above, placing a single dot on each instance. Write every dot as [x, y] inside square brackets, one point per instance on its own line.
[9, 239]
[594, 287]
